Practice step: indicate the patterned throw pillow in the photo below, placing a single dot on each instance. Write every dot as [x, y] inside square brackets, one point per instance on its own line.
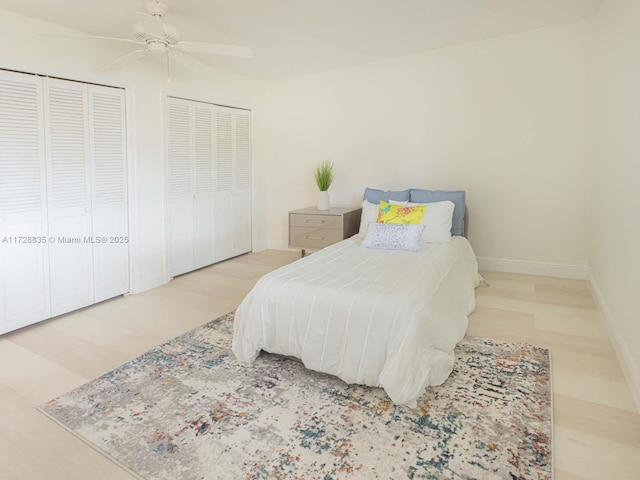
[392, 236]
[436, 220]
[400, 214]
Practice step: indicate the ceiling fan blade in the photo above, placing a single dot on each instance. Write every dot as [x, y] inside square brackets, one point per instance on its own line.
[126, 40]
[215, 49]
[186, 60]
[128, 57]
[151, 25]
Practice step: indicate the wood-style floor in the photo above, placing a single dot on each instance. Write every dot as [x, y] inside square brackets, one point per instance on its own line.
[596, 425]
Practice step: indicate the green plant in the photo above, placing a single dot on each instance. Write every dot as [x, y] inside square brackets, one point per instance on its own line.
[324, 174]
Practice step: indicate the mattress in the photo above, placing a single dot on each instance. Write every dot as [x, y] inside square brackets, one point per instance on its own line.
[382, 318]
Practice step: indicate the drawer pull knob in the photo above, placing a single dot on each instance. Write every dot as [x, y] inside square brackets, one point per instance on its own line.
[309, 237]
[314, 221]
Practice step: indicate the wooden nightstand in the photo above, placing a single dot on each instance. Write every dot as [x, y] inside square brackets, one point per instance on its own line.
[315, 229]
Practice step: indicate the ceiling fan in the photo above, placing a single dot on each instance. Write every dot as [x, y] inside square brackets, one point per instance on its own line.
[157, 37]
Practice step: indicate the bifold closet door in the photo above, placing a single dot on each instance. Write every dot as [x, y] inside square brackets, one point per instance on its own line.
[223, 237]
[242, 187]
[110, 224]
[203, 200]
[63, 197]
[191, 181]
[233, 182]
[24, 272]
[209, 152]
[69, 198]
[181, 231]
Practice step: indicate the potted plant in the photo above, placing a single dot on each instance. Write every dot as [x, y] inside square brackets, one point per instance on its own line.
[324, 174]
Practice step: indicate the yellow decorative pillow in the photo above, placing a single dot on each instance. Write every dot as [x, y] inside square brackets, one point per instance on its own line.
[400, 214]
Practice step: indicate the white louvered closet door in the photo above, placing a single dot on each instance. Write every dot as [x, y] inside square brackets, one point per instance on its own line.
[233, 186]
[69, 198]
[242, 186]
[203, 224]
[181, 189]
[24, 272]
[224, 184]
[209, 184]
[109, 192]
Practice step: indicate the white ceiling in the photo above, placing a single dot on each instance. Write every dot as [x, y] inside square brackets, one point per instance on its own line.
[294, 37]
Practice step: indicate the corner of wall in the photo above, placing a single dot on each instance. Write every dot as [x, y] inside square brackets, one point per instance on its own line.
[630, 369]
[277, 245]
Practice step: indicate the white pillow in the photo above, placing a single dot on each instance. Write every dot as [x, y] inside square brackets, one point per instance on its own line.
[437, 220]
[369, 214]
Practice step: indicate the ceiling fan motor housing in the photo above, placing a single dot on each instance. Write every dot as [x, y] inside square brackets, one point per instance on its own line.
[171, 35]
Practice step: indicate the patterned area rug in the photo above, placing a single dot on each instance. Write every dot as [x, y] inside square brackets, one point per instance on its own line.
[188, 410]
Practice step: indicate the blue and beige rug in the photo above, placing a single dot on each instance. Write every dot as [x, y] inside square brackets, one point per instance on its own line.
[188, 410]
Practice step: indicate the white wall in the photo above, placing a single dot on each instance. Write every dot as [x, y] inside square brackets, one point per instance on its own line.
[614, 254]
[506, 119]
[22, 48]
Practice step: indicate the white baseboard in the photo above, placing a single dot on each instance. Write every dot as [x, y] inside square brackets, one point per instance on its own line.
[630, 369]
[579, 272]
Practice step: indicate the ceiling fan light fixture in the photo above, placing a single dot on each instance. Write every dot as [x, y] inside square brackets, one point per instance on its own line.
[157, 47]
[171, 34]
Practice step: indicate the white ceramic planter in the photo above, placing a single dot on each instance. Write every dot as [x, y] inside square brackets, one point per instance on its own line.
[323, 201]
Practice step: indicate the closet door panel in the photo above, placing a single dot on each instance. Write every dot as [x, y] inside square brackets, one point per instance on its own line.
[224, 207]
[181, 221]
[223, 238]
[241, 223]
[24, 270]
[203, 221]
[203, 141]
[110, 255]
[181, 238]
[242, 179]
[109, 192]
[69, 201]
[70, 263]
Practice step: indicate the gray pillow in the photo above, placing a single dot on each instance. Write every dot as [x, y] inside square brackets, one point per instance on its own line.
[458, 197]
[393, 236]
[373, 195]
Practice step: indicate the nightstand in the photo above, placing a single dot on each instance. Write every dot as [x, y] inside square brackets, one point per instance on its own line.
[316, 229]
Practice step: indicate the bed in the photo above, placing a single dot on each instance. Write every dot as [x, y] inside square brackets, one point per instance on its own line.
[384, 318]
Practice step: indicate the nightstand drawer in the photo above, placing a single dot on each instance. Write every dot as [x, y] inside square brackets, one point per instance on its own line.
[310, 237]
[314, 229]
[316, 221]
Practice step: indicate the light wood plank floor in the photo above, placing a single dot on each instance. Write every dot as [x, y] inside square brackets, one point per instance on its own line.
[596, 432]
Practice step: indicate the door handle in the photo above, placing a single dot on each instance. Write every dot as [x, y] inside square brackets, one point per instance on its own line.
[309, 237]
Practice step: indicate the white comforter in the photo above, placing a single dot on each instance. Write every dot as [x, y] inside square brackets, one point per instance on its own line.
[387, 319]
